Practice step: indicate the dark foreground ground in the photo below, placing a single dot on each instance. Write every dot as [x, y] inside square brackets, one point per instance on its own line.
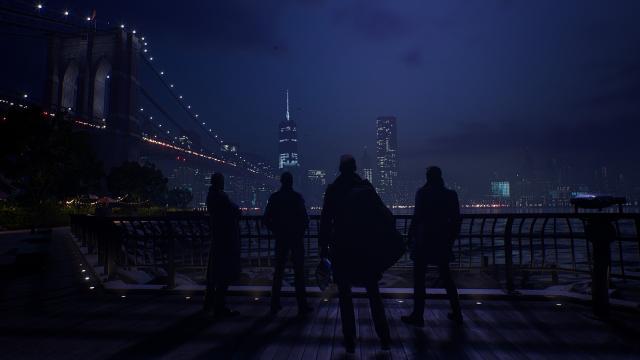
[51, 314]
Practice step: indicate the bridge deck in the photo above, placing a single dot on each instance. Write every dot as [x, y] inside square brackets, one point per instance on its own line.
[47, 314]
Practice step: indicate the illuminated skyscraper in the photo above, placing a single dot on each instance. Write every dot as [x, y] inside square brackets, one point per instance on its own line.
[316, 185]
[366, 166]
[288, 143]
[386, 155]
[500, 189]
[317, 177]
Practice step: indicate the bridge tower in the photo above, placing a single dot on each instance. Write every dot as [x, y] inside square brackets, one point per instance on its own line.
[94, 76]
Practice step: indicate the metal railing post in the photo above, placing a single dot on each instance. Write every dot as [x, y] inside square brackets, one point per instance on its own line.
[171, 256]
[508, 254]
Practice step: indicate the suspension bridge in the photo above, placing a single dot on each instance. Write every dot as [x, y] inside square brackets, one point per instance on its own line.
[104, 77]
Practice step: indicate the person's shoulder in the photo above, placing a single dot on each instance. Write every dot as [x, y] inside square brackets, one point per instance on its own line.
[332, 186]
[451, 195]
[421, 190]
[277, 196]
[366, 182]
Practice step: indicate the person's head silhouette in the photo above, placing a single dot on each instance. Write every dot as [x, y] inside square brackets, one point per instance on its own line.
[434, 176]
[217, 181]
[347, 164]
[286, 179]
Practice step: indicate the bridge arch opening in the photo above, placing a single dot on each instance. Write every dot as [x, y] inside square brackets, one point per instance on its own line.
[102, 89]
[70, 86]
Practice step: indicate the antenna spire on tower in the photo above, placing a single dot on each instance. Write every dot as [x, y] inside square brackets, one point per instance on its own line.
[287, 115]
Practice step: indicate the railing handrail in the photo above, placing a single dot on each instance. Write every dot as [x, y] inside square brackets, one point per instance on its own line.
[572, 215]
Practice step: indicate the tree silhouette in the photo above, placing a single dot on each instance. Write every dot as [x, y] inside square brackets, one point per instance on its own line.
[179, 197]
[43, 160]
[141, 183]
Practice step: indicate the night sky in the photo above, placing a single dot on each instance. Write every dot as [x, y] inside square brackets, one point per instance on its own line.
[475, 85]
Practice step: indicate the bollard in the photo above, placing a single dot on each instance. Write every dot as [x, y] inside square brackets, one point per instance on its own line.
[600, 232]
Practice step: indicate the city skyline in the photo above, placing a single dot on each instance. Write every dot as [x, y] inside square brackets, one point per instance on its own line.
[469, 110]
[479, 114]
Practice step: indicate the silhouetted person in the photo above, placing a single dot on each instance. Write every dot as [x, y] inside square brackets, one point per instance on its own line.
[224, 256]
[339, 241]
[434, 227]
[286, 217]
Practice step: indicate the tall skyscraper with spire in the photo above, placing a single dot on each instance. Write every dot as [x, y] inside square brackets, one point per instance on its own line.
[288, 143]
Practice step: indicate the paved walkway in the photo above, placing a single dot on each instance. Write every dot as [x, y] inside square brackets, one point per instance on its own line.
[50, 313]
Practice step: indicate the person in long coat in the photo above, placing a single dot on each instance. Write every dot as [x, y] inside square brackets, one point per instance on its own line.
[434, 227]
[224, 256]
[340, 242]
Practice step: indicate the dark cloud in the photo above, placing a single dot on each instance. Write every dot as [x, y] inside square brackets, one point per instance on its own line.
[413, 58]
[373, 20]
[624, 95]
[239, 25]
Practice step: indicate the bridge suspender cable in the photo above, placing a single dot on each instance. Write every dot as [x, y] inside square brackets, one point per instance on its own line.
[65, 23]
